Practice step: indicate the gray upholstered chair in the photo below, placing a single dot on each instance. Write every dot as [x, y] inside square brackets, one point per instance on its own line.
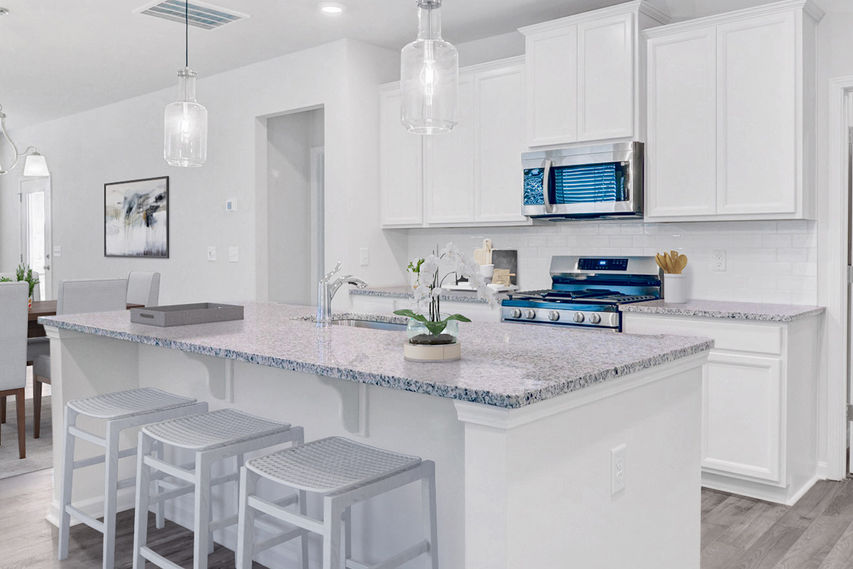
[13, 352]
[143, 288]
[76, 297]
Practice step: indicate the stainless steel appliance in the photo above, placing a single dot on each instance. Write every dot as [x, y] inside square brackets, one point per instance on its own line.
[586, 181]
[587, 292]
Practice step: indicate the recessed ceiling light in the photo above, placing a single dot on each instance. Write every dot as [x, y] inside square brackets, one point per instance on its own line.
[3, 11]
[332, 8]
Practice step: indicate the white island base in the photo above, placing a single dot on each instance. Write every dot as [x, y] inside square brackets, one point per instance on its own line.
[517, 488]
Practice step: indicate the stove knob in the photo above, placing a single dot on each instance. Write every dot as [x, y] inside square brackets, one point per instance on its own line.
[530, 314]
[578, 317]
[553, 316]
[594, 318]
[516, 313]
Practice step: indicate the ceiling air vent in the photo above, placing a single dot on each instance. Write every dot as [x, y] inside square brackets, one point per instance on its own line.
[201, 15]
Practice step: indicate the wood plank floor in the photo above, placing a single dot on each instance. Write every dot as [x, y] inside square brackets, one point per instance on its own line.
[737, 532]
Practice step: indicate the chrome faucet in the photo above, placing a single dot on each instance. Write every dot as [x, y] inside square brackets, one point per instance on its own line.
[326, 292]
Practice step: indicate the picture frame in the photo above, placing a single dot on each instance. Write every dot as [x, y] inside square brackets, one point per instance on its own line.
[136, 218]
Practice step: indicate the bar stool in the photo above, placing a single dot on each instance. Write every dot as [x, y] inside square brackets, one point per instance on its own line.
[344, 473]
[120, 410]
[211, 437]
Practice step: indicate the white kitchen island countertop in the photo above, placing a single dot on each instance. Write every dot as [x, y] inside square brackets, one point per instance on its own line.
[504, 364]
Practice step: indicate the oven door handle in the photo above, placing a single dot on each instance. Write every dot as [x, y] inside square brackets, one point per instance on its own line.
[546, 187]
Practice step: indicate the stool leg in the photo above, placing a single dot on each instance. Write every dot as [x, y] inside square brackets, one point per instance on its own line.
[303, 539]
[347, 521]
[331, 534]
[3, 409]
[160, 514]
[22, 424]
[143, 489]
[202, 512]
[429, 515]
[246, 520]
[110, 495]
[67, 477]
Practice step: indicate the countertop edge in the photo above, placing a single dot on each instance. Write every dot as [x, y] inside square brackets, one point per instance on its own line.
[483, 397]
[722, 314]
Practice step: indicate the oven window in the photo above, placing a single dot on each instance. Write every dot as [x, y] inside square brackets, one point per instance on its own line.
[590, 183]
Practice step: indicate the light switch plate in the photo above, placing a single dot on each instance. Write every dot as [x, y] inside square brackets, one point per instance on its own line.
[363, 257]
[211, 253]
[230, 205]
[233, 254]
[57, 250]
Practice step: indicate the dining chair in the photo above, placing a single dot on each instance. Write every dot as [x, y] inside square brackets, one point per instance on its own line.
[76, 297]
[35, 346]
[143, 288]
[13, 352]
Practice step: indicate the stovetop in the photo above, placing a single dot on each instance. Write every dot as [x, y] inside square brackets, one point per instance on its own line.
[591, 296]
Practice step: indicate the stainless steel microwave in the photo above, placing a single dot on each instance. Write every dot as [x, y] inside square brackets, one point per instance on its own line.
[584, 181]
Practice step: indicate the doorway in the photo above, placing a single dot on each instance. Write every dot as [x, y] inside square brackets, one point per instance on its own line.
[295, 221]
[35, 223]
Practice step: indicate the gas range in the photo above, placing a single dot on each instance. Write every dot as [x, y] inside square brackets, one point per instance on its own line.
[587, 292]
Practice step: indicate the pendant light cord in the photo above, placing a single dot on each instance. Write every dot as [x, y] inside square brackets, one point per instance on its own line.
[187, 33]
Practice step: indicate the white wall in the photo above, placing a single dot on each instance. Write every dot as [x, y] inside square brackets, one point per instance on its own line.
[123, 141]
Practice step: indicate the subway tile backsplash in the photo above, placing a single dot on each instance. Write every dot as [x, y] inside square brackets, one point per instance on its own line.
[766, 261]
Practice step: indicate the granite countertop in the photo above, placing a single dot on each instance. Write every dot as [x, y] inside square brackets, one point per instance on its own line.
[726, 310]
[503, 365]
[406, 292]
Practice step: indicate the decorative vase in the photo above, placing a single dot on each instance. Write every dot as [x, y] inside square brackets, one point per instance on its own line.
[424, 346]
[674, 289]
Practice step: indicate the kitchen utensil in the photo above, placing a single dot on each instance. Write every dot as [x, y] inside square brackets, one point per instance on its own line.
[484, 256]
[505, 259]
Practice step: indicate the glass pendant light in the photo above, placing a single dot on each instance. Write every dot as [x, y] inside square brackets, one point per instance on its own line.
[429, 76]
[35, 165]
[185, 140]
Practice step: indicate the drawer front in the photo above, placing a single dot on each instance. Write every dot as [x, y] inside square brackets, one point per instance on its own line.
[742, 417]
[758, 337]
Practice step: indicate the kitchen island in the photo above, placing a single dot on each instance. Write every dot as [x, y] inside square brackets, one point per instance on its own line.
[525, 430]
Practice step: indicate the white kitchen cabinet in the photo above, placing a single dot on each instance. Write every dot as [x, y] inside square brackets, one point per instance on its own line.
[471, 176]
[400, 176]
[681, 150]
[583, 75]
[759, 402]
[732, 116]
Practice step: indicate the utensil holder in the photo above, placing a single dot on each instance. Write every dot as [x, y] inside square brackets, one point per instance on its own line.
[674, 289]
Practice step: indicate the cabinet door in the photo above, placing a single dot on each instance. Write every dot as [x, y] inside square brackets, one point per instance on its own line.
[757, 105]
[552, 87]
[742, 416]
[400, 175]
[606, 78]
[449, 165]
[500, 141]
[681, 163]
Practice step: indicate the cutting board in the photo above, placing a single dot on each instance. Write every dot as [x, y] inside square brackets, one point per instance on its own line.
[507, 259]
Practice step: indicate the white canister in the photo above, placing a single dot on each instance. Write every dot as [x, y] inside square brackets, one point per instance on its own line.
[675, 289]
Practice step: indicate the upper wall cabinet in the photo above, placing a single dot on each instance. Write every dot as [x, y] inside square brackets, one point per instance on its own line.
[583, 75]
[731, 115]
[469, 177]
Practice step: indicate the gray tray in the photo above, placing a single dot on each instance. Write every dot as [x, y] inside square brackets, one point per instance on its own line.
[185, 314]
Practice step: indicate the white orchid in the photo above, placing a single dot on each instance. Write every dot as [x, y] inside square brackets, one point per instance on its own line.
[432, 271]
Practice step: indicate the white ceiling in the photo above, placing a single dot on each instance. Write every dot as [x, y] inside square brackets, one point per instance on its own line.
[59, 57]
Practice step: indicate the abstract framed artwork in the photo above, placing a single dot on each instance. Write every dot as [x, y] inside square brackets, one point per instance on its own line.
[136, 218]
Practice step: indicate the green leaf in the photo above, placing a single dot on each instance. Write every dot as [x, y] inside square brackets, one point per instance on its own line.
[458, 317]
[411, 314]
[436, 328]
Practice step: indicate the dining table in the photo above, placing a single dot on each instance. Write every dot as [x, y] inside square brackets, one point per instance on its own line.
[47, 308]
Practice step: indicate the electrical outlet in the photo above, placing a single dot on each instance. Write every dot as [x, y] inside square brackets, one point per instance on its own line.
[211, 253]
[718, 260]
[617, 469]
[57, 250]
[363, 257]
[233, 254]
[230, 205]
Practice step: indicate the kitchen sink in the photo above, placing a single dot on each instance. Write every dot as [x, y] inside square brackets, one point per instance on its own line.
[372, 324]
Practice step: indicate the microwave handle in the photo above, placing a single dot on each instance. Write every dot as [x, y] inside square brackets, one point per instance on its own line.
[546, 186]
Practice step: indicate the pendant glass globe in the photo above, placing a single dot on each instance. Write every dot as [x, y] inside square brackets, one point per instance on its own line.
[185, 122]
[429, 76]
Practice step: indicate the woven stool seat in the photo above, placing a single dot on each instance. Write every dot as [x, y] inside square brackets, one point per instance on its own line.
[214, 429]
[330, 465]
[128, 403]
